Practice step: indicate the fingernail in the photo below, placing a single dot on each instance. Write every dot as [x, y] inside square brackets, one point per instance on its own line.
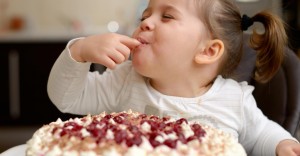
[137, 41]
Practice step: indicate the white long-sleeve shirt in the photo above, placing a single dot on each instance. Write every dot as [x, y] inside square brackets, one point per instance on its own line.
[228, 105]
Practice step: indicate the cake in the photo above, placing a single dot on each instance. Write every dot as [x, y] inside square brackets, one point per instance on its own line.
[130, 134]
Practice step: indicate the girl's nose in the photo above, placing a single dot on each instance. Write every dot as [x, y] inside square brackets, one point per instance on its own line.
[147, 25]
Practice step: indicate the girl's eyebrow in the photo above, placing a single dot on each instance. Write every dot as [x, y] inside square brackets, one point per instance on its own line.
[170, 8]
[165, 7]
[146, 10]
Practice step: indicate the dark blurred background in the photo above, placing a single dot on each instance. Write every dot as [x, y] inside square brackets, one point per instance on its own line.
[291, 15]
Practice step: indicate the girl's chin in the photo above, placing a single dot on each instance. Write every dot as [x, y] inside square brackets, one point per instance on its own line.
[139, 66]
[136, 63]
[138, 57]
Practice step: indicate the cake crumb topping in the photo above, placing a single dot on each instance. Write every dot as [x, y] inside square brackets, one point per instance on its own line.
[129, 133]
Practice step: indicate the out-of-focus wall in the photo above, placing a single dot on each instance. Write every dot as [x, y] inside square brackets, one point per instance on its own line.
[252, 7]
[91, 15]
[71, 14]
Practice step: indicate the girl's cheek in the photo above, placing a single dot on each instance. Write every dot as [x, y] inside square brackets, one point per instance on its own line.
[135, 33]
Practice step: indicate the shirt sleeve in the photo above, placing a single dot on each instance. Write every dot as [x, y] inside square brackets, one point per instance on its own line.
[259, 136]
[74, 89]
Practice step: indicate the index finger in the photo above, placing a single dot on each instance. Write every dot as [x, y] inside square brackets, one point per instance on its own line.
[129, 42]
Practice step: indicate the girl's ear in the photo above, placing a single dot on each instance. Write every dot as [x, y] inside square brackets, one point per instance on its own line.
[212, 52]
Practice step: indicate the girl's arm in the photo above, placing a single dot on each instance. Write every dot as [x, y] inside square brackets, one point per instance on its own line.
[67, 82]
[259, 135]
[72, 88]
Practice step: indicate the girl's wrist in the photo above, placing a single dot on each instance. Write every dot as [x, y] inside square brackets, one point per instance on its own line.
[75, 50]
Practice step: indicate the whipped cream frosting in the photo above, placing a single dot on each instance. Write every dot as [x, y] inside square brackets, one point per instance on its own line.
[129, 134]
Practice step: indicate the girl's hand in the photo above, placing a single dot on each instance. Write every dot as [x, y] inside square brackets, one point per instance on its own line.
[106, 49]
[288, 148]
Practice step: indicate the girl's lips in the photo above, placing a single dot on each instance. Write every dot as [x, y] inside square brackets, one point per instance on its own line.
[141, 46]
[143, 41]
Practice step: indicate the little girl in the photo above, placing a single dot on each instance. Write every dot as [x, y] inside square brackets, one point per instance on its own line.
[183, 53]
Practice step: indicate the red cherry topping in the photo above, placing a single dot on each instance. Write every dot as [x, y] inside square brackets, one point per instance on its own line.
[180, 121]
[142, 116]
[131, 133]
[154, 143]
[135, 140]
[170, 143]
[118, 119]
[108, 116]
[120, 136]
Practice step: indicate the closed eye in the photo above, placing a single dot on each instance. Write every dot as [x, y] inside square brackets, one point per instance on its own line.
[168, 16]
[142, 19]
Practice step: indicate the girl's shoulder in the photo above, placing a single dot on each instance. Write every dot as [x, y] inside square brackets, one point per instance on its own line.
[230, 85]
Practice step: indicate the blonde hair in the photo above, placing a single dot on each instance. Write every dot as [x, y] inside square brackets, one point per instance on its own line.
[223, 20]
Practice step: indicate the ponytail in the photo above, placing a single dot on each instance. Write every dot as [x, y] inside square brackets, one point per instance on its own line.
[269, 46]
[226, 23]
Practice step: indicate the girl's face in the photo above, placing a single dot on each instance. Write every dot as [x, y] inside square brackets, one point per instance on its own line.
[172, 34]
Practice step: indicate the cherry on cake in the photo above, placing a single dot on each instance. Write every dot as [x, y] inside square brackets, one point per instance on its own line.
[130, 134]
